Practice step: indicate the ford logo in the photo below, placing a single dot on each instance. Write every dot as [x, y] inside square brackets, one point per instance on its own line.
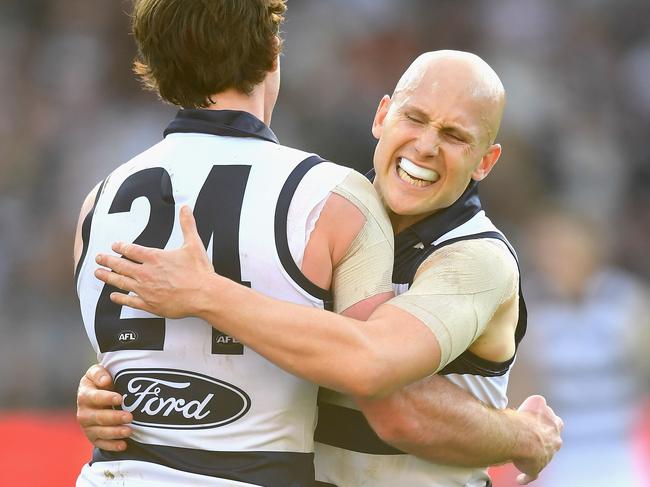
[177, 399]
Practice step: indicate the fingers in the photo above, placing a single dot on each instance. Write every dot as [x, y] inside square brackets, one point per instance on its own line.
[97, 398]
[119, 265]
[94, 418]
[116, 280]
[91, 395]
[110, 445]
[559, 424]
[524, 478]
[188, 226]
[109, 438]
[135, 302]
[533, 402]
[99, 377]
[110, 432]
[134, 252]
[113, 419]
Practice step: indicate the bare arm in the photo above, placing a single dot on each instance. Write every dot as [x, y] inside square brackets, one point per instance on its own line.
[445, 310]
[438, 421]
[434, 418]
[336, 351]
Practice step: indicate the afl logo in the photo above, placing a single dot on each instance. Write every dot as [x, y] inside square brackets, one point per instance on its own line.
[127, 336]
[177, 399]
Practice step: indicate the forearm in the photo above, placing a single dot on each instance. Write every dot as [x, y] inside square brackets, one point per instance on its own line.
[335, 351]
[438, 421]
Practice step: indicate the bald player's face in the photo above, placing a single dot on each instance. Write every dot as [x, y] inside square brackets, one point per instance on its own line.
[433, 139]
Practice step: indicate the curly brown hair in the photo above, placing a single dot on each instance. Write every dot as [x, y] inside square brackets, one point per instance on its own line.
[189, 50]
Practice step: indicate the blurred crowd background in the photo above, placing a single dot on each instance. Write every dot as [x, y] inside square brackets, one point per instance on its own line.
[570, 189]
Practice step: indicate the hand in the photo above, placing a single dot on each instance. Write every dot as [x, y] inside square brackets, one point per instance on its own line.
[546, 440]
[167, 282]
[103, 426]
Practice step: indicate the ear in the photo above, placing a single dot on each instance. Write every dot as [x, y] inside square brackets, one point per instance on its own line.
[488, 161]
[380, 116]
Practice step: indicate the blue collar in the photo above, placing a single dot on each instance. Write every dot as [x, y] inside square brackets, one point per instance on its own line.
[232, 123]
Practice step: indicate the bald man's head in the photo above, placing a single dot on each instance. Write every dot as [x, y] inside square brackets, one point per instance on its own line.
[436, 134]
[460, 75]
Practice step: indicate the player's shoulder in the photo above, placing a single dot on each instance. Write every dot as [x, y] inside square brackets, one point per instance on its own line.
[351, 201]
[476, 258]
[359, 186]
[492, 253]
[283, 153]
[359, 192]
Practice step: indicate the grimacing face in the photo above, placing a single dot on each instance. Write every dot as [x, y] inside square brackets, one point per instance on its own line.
[433, 139]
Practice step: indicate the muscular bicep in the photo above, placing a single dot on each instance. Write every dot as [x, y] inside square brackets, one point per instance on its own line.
[86, 208]
[435, 420]
[408, 414]
[457, 291]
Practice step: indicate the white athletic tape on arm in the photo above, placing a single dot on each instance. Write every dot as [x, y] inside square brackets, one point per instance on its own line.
[457, 291]
[366, 269]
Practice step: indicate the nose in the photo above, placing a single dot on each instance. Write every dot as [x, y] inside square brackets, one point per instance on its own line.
[427, 143]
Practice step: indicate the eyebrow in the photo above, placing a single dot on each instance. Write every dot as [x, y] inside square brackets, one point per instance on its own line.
[451, 127]
[447, 127]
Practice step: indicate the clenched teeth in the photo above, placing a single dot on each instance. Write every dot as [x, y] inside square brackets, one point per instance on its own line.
[417, 172]
[420, 183]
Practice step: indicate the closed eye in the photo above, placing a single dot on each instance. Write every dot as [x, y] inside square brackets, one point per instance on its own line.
[455, 136]
[413, 119]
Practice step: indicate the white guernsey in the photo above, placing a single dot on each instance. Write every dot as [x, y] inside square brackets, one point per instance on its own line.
[205, 407]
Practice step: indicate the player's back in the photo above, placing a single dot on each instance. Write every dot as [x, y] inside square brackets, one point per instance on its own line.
[205, 407]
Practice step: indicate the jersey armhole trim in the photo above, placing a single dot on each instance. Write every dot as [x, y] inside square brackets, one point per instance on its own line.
[85, 232]
[281, 240]
[472, 363]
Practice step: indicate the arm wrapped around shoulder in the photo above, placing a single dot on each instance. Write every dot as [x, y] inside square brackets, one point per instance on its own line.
[457, 290]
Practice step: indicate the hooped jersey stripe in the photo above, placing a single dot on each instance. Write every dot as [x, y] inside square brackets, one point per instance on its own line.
[267, 468]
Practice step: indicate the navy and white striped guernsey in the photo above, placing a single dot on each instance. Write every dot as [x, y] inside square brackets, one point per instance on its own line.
[207, 410]
[343, 433]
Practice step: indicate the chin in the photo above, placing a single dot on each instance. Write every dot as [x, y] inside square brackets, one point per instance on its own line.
[407, 211]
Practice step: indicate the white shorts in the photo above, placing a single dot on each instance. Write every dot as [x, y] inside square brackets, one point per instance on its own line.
[132, 473]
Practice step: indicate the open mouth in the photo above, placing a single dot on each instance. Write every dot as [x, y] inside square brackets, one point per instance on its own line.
[415, 175]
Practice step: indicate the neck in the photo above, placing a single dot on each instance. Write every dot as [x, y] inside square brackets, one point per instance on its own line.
[402, 222]
[235, 100]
